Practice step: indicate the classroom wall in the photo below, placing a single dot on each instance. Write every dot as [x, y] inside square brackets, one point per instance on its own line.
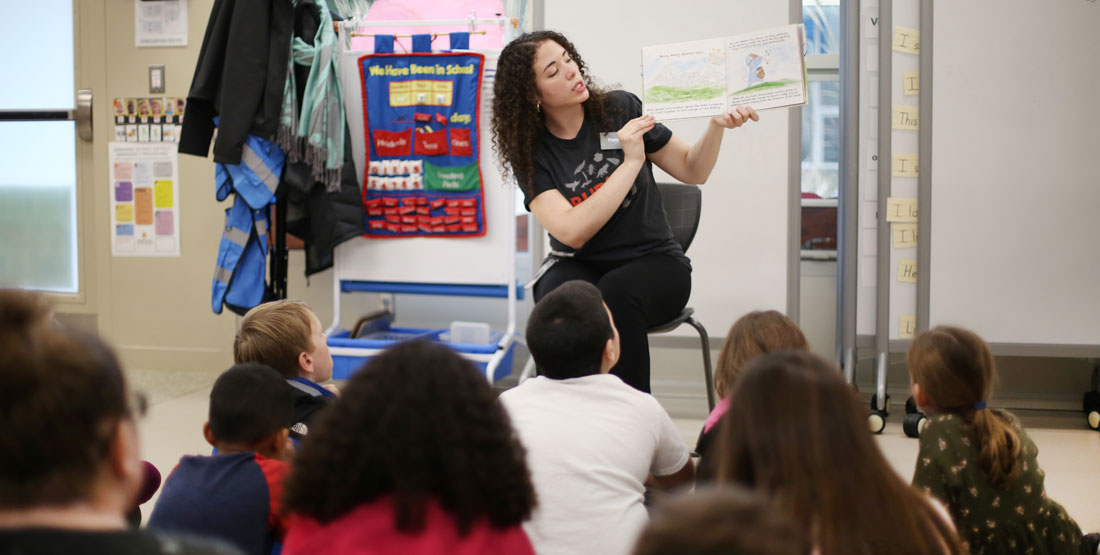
[157, 310]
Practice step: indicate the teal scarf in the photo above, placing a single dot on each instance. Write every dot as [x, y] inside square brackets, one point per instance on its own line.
[315, 133]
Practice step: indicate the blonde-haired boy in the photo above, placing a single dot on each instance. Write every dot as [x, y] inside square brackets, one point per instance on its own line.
[287, 336]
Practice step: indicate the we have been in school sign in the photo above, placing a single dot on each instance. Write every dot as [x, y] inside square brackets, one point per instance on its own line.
[421, 118]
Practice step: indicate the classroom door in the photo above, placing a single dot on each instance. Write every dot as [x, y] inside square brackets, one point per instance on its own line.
[46, 142]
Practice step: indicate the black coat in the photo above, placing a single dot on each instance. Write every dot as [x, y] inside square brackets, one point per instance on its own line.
[240, 77]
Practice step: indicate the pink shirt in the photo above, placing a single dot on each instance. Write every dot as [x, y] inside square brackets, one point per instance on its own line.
[716, 414]
[369, 530]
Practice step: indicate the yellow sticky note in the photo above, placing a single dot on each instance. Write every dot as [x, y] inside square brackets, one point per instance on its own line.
[905, 235]
[162, 193]
[910, 84]
[124, 212]
[907, 270]
[901, 209]
[905, 165]
[906, 118]
[907, 326]
[906, 40]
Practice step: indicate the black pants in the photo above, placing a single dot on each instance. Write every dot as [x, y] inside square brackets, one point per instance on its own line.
[641, 293]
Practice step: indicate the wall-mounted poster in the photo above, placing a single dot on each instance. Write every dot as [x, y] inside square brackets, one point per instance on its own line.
[144, 195]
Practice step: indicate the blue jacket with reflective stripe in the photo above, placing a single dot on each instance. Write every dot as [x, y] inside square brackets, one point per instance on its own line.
[242, 254]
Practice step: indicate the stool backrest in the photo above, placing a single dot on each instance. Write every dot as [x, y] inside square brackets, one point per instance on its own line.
[683, 205]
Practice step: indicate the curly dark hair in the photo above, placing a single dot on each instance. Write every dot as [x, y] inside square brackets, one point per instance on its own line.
[517, 124]
[417, 422]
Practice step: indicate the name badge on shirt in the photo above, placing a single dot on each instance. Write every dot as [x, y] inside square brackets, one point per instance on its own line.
[610, 141]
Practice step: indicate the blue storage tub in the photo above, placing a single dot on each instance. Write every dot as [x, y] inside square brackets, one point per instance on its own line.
[348, 355]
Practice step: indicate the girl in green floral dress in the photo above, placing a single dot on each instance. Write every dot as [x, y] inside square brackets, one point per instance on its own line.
[979, 461]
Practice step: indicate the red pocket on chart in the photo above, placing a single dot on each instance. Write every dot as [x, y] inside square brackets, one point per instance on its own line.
[408, 201]
[469, 220]
[439, 229]
[469, 228]
[454, 227]
[425, 228]
[374, 202]
[377, 224]
[452, 211]
[408, 228]
[393, 218]
[408, 219]
[438, 203]
[454, 202]
[469, 202]
[374, 211]
[393, 228]
[469, 211]
[424, 210]
[437, 221]
[451, 219]
[431, 144]
[389, 201]
[460, 142]
[392, 143]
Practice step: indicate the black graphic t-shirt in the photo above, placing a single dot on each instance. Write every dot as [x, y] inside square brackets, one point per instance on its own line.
[578, 167]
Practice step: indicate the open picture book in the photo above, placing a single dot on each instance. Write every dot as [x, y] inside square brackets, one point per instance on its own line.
[704, 78]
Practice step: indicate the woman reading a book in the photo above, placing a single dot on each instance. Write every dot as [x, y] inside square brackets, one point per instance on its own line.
[582, 158]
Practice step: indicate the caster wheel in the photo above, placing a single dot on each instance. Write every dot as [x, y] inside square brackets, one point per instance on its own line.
[876, 421]
[914, 424]
[874, 405]
[911, 406]
[1094, 420]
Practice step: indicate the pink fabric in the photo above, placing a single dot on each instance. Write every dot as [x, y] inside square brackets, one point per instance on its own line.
[716, 414]
[369, 530]
[389, 10]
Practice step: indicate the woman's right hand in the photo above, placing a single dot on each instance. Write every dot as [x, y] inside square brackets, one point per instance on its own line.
[630, 137]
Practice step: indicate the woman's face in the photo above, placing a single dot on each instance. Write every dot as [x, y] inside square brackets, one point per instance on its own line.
[557, 79]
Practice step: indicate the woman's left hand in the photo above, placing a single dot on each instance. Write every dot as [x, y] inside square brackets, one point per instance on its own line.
[736, 117]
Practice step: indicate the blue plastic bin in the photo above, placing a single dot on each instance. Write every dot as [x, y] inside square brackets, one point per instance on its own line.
[348, 355]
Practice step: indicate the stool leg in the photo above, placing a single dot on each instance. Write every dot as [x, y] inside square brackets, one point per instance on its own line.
[704, 339]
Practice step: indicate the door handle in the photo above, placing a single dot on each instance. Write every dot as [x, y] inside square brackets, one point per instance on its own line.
[82, 115]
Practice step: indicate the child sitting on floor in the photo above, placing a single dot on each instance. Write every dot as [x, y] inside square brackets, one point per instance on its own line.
[234, 495]
[287, 336]
[751, 336]
[978, 460]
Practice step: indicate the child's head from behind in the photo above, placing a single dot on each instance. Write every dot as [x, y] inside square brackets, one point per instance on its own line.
[418, 422]
[719, 521]
[752, 336]
[250, 410]
[69, 433]
[287, 336]
[796, 432]
[569, 330]
[952, 369]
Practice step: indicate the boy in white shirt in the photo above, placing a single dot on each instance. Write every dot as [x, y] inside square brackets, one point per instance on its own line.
[591, 440]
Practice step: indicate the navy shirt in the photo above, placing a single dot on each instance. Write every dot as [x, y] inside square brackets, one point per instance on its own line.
[578, 167]
[232, 497]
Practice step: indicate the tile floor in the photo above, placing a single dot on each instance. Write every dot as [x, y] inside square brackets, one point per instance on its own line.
[1068, 451]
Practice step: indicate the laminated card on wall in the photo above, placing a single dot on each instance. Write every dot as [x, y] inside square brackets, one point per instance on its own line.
[421, 120]
[763, 69]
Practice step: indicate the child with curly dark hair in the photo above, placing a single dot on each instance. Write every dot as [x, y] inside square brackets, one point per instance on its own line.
[418, 457]
[582, 157]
